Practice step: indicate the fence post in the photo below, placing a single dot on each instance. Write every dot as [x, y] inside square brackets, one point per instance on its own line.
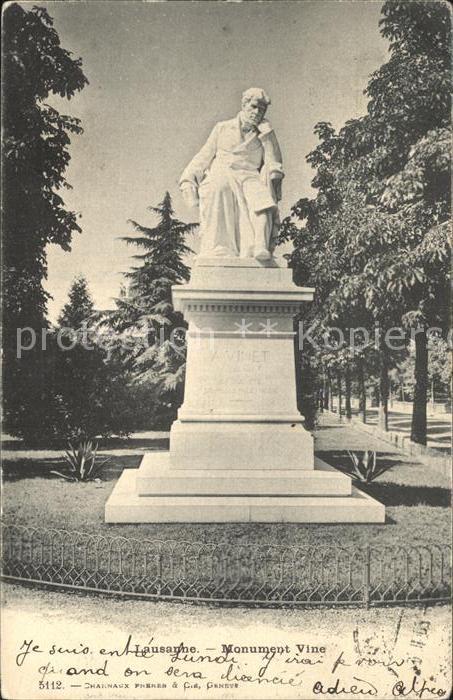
[366, 577]
[159, 563]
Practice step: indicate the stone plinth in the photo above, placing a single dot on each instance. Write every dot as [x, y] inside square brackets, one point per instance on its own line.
[239, 451]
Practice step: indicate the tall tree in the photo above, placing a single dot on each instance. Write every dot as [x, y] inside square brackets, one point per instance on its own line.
[35, 156]
[80, 372]
[375, 239]
[146, 310]
[410, 100]
[91, 387]
[79, 309]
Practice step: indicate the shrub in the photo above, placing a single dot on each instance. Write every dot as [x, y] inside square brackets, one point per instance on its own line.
[364, 467]
[82, 462]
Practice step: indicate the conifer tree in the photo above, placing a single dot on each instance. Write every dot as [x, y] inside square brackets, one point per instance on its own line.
[79, 308]
[146, 310]
[91, 388]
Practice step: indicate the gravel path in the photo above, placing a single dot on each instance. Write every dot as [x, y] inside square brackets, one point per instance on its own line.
[376, 646]
[333, 435]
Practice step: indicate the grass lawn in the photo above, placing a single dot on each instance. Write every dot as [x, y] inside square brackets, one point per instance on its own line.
[417, 501]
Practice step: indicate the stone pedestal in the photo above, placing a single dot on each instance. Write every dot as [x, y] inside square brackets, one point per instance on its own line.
[239, 451]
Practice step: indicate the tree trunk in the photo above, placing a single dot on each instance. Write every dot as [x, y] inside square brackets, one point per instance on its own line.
[306, 391]
[340, 396]
[419, 427]
[383, 415]
[298, 369]
[321, 393]
[347, 378]
[329, 402]
[362, 390]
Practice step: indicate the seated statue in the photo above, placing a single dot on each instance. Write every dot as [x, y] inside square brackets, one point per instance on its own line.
[236, 180]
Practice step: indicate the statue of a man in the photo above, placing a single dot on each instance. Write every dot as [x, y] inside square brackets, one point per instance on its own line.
[236, 180]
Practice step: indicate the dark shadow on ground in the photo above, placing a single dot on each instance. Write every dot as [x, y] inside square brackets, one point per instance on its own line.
[389, 520]
[15, 446]
[406, 426]
[340, 459]
[134, 443]
[390, 493]
[331, 426]
[445, 428]
[15, 470]
[131, 443]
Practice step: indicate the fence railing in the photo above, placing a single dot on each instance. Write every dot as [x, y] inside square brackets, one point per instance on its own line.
[228, 572]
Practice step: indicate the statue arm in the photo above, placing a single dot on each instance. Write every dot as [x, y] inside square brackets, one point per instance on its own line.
[273, 162]
[194, 172]
[273, 156]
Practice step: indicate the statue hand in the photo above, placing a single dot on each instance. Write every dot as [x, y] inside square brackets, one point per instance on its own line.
[264, 127]
[190, 195]
[277, 185]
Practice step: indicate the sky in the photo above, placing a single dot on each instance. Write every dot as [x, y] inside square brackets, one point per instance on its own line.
[161, 74]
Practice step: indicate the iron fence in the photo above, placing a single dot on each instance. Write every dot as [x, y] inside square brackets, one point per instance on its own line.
[226, 572]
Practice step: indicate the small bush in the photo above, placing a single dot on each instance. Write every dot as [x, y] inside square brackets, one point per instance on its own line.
[82, 462]
[364, 467]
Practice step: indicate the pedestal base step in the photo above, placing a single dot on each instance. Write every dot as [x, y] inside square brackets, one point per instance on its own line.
[125, 506]
[238, 444]
[157, 476]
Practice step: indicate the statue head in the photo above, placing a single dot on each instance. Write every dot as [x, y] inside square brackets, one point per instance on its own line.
[254, 105]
